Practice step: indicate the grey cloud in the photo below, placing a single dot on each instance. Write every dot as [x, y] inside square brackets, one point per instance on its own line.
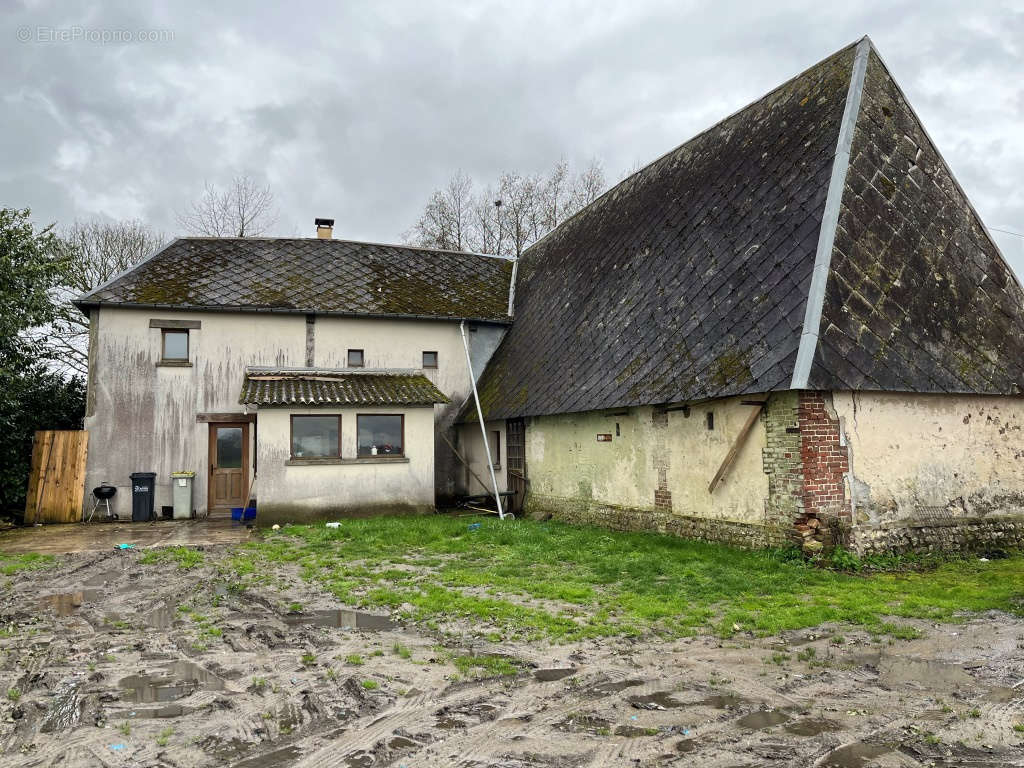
[359, 111]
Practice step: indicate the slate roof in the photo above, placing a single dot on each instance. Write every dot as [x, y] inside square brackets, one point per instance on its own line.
[692, 279]
[313, 275]
[321, 386]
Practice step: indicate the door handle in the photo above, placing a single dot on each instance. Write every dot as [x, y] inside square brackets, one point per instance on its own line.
[211, 469]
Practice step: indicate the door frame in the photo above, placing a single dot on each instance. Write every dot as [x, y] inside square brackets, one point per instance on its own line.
[515, 462]
[211, 454]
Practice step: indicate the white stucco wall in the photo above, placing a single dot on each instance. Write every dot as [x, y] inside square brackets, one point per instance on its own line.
[290, 492]
[143, 416]
[920, 455]
[471, 446]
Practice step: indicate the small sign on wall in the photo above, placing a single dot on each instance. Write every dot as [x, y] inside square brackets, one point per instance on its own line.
[604, 438]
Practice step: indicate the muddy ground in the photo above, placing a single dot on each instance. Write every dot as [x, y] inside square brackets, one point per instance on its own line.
[101, 668]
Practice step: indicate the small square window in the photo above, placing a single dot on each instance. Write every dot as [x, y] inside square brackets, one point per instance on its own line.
[175, 345]
[430, 359]
[355, 358]
[316, 437]
[381, 435]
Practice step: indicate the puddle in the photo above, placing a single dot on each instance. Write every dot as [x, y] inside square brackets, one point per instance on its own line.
[896, 671]
[657, 700]
[102, 578]
[686, 746]
[168, 710]
[401, 742]
[360, 760]
[172, 682]
[162, 617]
[633, 731]
[722, 701]
[854, 755]
[604, 689]
[65, 710]
[812, 726]
[276, 758]
[66, 603]
[555, 673]
[584, 723]
[449, 723]
[755, 721]
[342, 618]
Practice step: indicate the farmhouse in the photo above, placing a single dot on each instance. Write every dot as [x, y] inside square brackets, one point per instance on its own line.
[310, 374]
[792, 327]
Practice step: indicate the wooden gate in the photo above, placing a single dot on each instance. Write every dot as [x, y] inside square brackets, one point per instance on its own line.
[56, 484]
[515, 447]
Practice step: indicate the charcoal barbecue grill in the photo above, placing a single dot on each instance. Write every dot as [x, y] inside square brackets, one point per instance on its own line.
[103, 493]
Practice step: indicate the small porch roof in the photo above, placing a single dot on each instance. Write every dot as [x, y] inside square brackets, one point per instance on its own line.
[333, 386]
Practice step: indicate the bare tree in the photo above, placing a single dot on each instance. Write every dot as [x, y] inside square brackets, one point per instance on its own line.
[504, 220]
[447, 220]
[243, 209]
[95, 252]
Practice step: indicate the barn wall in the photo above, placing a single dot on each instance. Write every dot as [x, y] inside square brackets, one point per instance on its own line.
[933, 471]
[653, 474]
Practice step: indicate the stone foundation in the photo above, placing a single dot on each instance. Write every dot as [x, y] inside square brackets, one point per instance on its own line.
[954, 534]
[731, 532]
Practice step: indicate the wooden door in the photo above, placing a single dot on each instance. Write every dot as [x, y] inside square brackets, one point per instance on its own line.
[229, 466]
[515, 447]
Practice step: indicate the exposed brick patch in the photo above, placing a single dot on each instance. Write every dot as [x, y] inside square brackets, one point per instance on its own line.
[662, 494]
[781, 459]
[823, 458]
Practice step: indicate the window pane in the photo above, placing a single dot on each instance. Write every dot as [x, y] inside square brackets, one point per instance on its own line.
[314, 436]
[229, 447]
[380, 436]
[430, 359]
[495, 446]
[175, 345]
[355, 358]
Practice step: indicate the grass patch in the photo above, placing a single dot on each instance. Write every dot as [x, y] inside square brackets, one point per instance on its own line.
[11, 564]
[371, 685]
[183, 557]
[485, 666]
[564, 583]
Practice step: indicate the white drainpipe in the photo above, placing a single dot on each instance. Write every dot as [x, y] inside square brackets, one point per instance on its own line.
[480, 415]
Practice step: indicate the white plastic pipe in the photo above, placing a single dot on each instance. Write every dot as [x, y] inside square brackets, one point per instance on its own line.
[480, 416]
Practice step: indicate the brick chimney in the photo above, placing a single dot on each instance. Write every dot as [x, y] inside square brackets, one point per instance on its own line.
[324, 228]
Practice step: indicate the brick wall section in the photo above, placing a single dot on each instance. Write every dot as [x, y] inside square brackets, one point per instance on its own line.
[781, 460]
[662, 495]
[824, 458]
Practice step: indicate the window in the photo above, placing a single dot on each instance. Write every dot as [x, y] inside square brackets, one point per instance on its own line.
[495, 441]
[316, 437]
[175, 346]
[430, 359]
[355, 358]
[381, 435]
[711, 419]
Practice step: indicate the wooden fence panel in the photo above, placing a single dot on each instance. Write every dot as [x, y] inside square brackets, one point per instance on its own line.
[56, 485]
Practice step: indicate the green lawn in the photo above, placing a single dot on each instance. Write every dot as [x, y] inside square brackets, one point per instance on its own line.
[11, 564]
[562, 582]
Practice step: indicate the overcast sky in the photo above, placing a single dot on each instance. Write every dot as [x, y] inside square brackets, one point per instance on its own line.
[357, 111]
